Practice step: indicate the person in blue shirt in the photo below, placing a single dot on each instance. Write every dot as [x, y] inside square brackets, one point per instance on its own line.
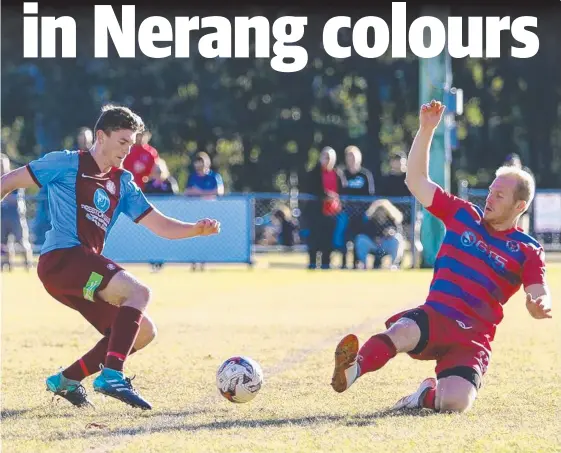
[204, 181]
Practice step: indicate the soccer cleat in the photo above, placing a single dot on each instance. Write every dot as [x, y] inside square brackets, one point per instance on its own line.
[114, 384]
[70, 390]
[346, 369]
[415, 400]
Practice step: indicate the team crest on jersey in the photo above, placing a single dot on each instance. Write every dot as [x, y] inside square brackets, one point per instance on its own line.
[101, 200]
[468, 238]
[513, 246]
[110, 187]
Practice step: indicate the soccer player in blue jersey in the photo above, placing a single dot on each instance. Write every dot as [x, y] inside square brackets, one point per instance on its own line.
[483, 261]
[86, 196]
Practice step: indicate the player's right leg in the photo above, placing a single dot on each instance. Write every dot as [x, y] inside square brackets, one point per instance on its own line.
[403, 334]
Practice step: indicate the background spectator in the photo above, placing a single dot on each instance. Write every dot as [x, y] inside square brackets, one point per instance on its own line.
[382, 235]
[160, 180]
[204, 181]
[84, 139]
[359, 183]
[326, 183]
[393, 184]
[14, 224]
[141, 159]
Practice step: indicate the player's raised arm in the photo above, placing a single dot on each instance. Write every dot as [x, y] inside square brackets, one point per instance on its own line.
[16, 179]
[417, 177]
[171, 228]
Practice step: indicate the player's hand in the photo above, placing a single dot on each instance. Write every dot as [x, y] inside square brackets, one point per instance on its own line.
[537, 308]
[207, 227]
[431, 114]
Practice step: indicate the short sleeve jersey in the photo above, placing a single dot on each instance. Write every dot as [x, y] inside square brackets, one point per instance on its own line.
[84, 203]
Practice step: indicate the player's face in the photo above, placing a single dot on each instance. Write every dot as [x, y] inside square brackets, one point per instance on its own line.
[501, 205]
[116, 146]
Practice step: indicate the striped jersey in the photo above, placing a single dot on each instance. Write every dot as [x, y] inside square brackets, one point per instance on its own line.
[478, 269]
[84, 203]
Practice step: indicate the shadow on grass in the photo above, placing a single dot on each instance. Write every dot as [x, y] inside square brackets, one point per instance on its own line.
[169, 422]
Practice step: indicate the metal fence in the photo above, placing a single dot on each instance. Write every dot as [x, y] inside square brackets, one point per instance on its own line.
[253, 223]
[543, 219]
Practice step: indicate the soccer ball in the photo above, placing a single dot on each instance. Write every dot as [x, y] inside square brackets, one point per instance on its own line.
[239, 379]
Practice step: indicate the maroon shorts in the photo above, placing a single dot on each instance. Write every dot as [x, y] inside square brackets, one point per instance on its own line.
[459, 350]
[74, 276]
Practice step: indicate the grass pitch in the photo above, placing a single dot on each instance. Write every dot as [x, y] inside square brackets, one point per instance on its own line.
[290, 322]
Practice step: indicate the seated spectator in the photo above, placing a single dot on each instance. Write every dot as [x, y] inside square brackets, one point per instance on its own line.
[382, 235]
[160, 180]
[204, 181]
[288, 227]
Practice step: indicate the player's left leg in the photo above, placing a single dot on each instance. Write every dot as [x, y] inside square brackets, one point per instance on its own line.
[459, 376]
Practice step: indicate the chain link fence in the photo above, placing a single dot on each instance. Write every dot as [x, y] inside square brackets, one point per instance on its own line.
[261, 223]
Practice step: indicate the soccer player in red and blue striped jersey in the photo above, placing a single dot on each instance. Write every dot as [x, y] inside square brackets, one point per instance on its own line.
[483, 261]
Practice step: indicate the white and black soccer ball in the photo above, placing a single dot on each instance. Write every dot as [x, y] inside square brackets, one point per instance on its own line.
[239, 379]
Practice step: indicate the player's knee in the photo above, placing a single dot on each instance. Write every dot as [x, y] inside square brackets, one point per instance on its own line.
[456, 403]
[405, 334]
[146, 334]
[455, 394]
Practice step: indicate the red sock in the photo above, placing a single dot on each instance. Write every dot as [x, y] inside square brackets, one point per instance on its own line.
[428, 400]
[123, 335]
[375, 353]
[89, 363]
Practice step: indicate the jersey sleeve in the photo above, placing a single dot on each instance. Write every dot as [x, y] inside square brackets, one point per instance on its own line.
[445, 205]
[135, 204]
[533, 271]
[51, 167]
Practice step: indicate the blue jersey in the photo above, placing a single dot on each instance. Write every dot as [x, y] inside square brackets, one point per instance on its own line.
[208, 181]
[84, 203]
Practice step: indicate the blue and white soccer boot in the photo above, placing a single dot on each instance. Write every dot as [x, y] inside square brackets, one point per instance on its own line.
[70, 390]
[113, 383]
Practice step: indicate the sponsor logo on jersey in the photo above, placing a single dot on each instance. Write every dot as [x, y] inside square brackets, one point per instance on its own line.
[101, 200]
[469, 239]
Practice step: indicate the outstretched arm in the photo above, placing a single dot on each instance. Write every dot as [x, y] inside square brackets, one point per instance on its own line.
[16, 179]
[417, 176]
[171, 228]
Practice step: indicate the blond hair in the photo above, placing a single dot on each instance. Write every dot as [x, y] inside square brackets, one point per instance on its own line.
[525, 187]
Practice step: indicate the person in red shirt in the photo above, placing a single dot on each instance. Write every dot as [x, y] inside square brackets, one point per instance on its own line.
[141, 159]
[326, 183]
[485, 258]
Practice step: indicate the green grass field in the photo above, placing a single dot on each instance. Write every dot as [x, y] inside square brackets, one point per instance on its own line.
[290, 321]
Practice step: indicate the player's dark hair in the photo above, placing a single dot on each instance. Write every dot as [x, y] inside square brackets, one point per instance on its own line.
[114, 118]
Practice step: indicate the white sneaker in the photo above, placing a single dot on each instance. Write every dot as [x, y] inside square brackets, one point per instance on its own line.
[346, 367]
[415, 400]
